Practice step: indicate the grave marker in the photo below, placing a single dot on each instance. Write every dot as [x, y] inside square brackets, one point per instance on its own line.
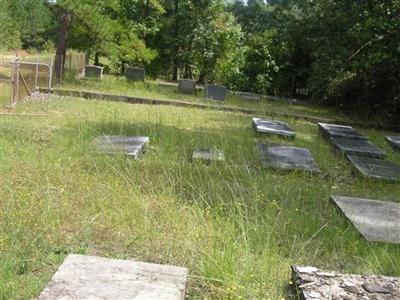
[394, 141]
[287, 158]
[135, 74]
[273, 127]
[249, 96]
[187, 86]
[208, 155]
[358, 147]
[92, 71]
[91, 277]
[128, 145]
[312, 283]
[377, 221]
[375, 168]
[333, 130]
[216, 92]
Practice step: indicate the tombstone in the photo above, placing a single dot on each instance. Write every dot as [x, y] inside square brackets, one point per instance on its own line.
[358, 147]
[249, 96]
[287, 158]
[91, 277]
[377, 221]
[132, 146]
[187, 86]
[216, 92]
[375, 168]
[394, 141]
[273, 127]
[93, 71]
[312, 283]
[208, 155]
[332, 130]
[135, 74]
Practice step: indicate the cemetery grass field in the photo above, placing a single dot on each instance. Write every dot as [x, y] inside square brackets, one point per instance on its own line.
[235, 226]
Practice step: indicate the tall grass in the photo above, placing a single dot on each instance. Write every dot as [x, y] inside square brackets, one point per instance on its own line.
[237, 227]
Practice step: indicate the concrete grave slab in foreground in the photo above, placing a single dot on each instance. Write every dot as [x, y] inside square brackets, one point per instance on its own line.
[216, 92]
[375, 168]
[287, 158]
[273, 127]
[377, 221]
[208, 155]
[394, 141]
[357, 147]
[314, 284]
[90, 277]
[117, 144]
[333, 130]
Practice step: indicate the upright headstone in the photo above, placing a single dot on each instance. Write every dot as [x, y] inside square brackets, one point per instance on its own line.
[314, 284]
[187, 86]
[208, 155]
[394, 141]
[91, 277]
[377, 221]
[135, 74]
[375, 168]
[216, 92]
[341, 131]
[273, 127]
[128, 145]
[287, 158]
[93, 71]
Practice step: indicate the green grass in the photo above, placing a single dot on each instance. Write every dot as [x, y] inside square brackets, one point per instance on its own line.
[237, 227]
[152, 89]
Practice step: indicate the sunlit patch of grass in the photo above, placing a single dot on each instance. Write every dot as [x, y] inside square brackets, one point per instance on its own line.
[237, 227]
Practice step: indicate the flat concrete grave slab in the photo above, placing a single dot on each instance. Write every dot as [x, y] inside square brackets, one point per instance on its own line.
[216, 92]
[249, 96]
[135, 74]
[89, 277]
[117, 144]
[187, 86]
[375, 168]
[208, 155]
[287, 158]
[357, 147]
[377, 221]
[93, 71]
[273, 127]
[333, 130]
[312, 283]
[394, 141]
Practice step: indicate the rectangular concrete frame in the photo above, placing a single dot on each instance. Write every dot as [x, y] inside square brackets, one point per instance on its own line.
[92, 71]
[135, 74]
[394, 141]
[208, 155]
[216, 92]
[127, 145]
[90, 277]
[375, 168]
[273, 127]
[287, 158]
[357, 147]
[377, 221]
[333, 130]
[187, 86]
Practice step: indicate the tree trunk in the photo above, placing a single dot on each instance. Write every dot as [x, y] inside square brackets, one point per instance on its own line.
[62, 43]
[97, 59]
[176, 46]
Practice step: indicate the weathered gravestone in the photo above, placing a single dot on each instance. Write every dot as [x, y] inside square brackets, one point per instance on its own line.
[358, 147]
[394, 141]
[375, 168]
[187, 86]
[287, 158]
[250, 96]
[208, 155]
[90, 277]
[333, 130]
[377, 221]
[135, 74]
[93, 71]
[314, 284]
[128, 145]
[216, 92]
[273, 127]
